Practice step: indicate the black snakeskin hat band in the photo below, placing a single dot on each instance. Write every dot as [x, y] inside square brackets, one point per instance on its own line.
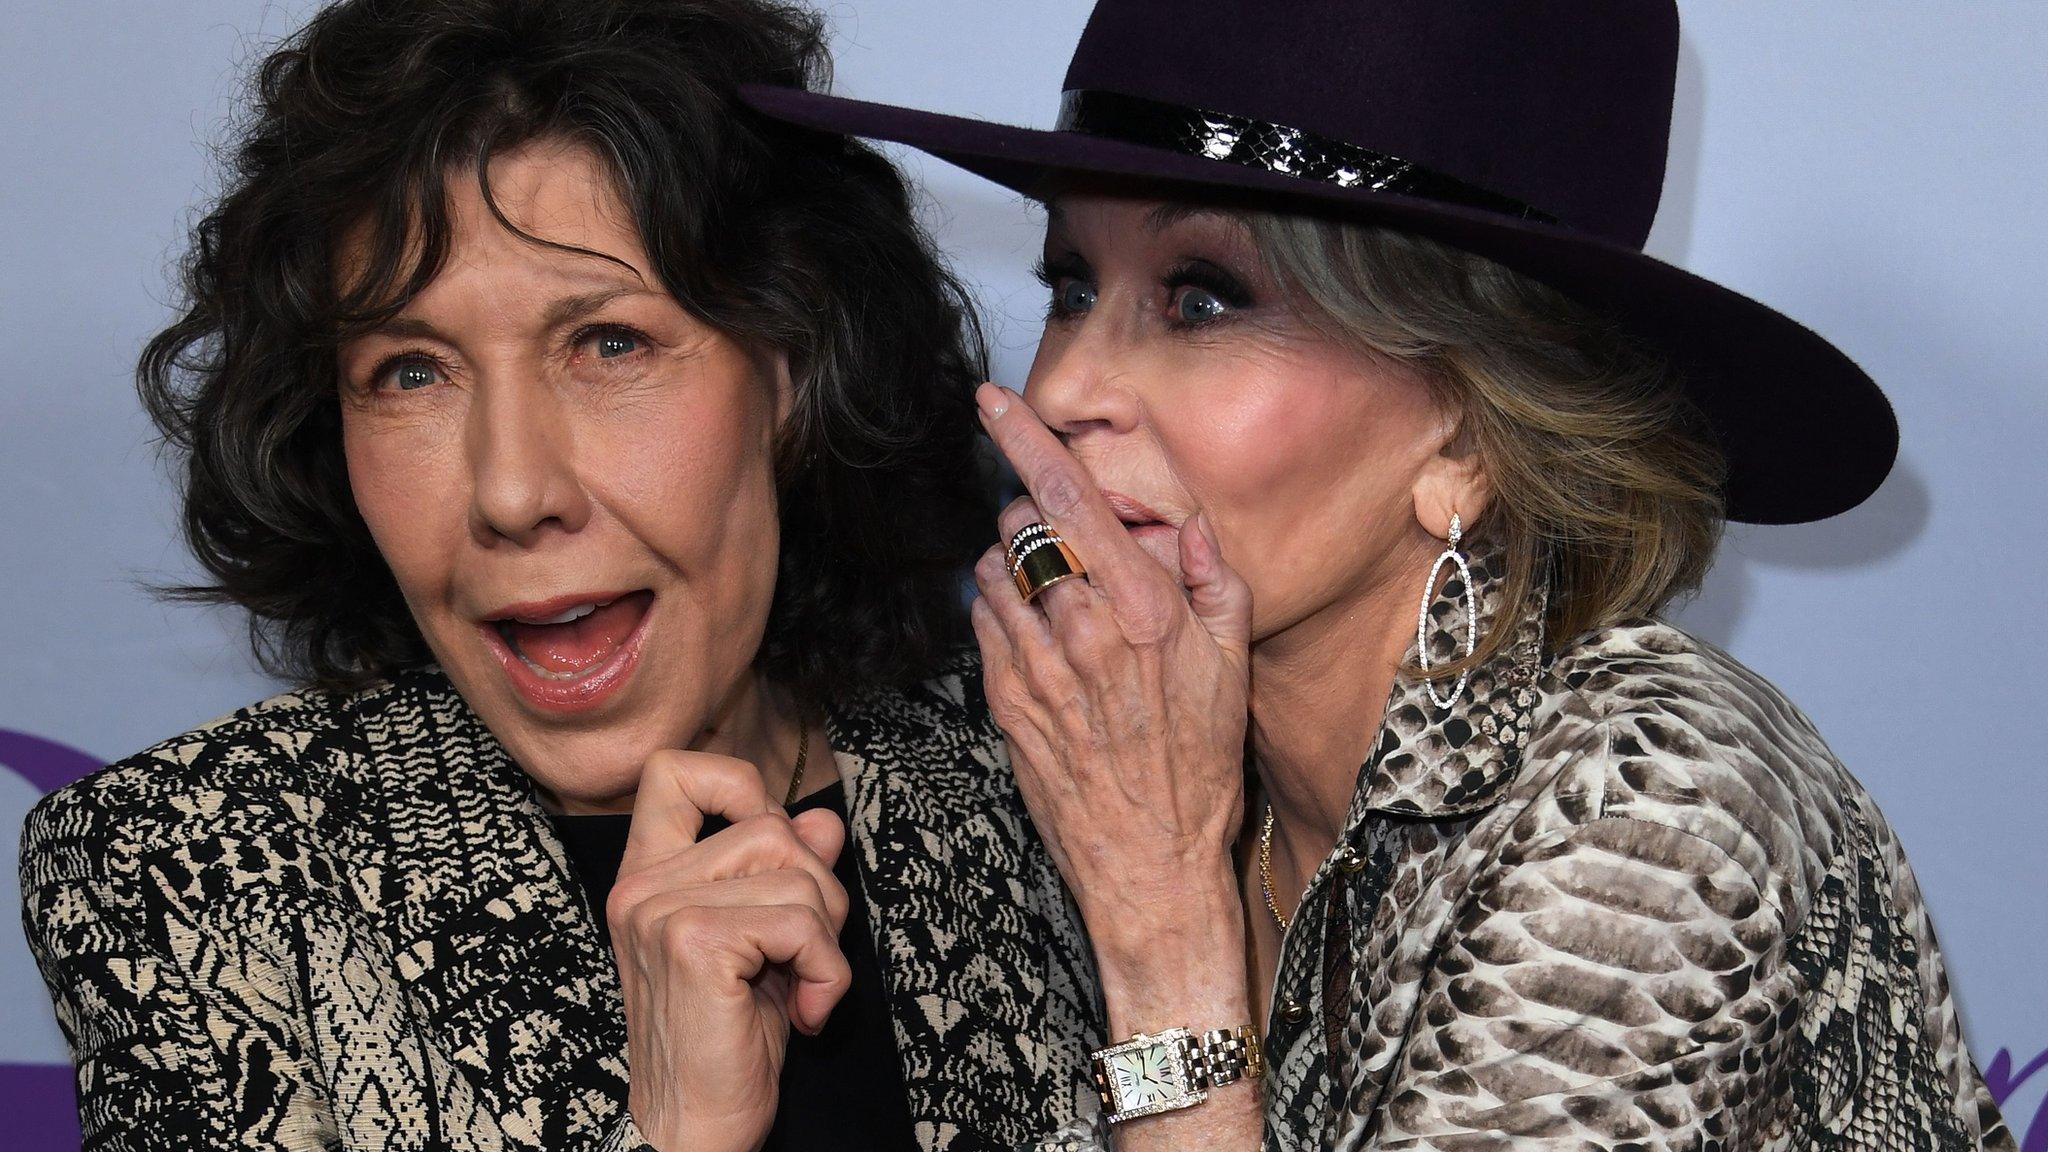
[1273, 148]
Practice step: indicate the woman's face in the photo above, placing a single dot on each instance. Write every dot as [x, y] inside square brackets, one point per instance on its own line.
[1177, 374]
[572, 479]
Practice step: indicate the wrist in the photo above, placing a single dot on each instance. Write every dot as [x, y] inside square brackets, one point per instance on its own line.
[1181, 964]
[1137, 926]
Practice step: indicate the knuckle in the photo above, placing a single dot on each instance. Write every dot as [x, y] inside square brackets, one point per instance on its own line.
[795, 886]
[627, 895]
[771, 834]
[686, 929]
[1147, 617]
[1086, 640]
[992, 567]
[1059, 494]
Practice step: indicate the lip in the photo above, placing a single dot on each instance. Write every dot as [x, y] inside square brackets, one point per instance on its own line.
[554, 606]
[1132, 512]
[580, 693]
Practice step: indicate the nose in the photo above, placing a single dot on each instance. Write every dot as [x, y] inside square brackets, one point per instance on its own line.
[524, 480]
[1081, 385]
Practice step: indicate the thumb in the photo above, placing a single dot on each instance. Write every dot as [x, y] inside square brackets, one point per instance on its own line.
[1221, 599]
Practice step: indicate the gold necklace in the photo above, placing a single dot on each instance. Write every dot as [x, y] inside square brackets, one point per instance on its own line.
[803, 755]
[1266, 870]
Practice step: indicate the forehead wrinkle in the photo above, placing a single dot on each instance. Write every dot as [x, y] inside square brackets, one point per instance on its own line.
[566, 309]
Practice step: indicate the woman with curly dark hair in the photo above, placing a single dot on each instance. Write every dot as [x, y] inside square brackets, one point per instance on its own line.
[601, 458]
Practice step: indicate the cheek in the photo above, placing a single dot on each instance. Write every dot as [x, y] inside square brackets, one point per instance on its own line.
[1307, 462]
[1252, 435]
[410, 486]
[691, 473]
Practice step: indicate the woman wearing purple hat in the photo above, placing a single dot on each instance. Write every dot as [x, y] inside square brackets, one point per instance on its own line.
[1356, 387]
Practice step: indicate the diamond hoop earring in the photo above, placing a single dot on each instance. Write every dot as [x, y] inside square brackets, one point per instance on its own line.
[1450, 555]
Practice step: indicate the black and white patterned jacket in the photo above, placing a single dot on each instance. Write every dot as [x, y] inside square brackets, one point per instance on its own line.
[1620, 899]
[343, 921]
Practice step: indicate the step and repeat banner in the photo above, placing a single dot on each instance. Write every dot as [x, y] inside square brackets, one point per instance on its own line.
[1874, 170]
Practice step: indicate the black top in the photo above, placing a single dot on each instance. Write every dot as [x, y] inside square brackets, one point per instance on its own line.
[842, 1088]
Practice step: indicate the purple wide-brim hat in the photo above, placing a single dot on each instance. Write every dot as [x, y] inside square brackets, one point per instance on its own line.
[1531, 133]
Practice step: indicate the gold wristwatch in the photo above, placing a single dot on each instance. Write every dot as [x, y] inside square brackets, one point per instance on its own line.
[1164, 1071]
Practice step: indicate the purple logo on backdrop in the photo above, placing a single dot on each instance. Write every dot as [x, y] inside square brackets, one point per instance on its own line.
[37, 1099]
[44, 763]
[2004, 1084]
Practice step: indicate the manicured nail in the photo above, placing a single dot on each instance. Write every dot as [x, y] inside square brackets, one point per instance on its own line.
[994, 401]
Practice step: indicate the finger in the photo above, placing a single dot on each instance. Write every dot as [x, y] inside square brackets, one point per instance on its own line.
[1008, 699]
[822, 831]
[1067, 596]
[706, 947]
[1063, 491]
[1015, 515]
[677, 790]
[766, 842]
[783, 886]
[794, 936]
[992, 579]
[1034, 653]
[1220, 598]
[989, 635]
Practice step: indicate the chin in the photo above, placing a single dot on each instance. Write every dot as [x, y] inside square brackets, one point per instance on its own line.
[589, 770]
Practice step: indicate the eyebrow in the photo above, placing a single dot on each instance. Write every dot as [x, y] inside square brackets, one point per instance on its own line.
[1170, 213]
[1158, 220]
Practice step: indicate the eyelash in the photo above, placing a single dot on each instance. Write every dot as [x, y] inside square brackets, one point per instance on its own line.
[397, 360]
[1189, 274]
[639, 339]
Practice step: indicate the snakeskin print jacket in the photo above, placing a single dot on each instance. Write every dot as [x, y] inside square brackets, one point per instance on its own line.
[343, 921]
[1620, 898]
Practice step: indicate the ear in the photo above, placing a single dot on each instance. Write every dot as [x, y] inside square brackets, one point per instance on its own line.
[1453, 480]
[774, 365]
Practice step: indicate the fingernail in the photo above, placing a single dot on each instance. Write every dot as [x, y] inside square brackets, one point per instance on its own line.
[1212, 551]
[994, 401]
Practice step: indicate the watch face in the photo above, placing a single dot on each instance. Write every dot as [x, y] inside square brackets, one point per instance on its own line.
[1144, 1077]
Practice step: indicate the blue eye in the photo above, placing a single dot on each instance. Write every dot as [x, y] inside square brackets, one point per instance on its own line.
[409, 375]
[1193, 305]
[1071, 297]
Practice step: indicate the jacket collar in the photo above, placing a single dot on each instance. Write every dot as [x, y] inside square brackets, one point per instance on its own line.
[1439, 762]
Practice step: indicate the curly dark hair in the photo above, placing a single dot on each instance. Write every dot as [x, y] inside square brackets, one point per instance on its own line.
[791, 239]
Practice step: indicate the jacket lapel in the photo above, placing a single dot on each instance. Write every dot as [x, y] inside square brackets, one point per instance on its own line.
[487, 930]
[990, 981]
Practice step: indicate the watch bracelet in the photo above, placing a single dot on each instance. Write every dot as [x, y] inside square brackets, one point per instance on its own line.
[1227, 1055]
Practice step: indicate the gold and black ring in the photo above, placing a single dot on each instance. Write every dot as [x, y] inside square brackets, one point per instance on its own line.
[1039, 559]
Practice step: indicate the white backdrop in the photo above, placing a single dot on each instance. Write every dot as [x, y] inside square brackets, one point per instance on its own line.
[1875, 169]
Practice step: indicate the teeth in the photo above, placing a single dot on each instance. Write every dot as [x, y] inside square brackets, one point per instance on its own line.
[576, 613]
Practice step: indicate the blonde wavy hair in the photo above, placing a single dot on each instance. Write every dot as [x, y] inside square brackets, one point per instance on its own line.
[1606, 480]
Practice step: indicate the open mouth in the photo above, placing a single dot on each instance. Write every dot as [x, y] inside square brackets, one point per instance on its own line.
[570, 653]
[580, 638]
